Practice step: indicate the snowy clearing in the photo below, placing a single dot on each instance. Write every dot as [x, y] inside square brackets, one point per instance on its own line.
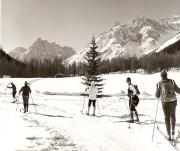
[59, 124]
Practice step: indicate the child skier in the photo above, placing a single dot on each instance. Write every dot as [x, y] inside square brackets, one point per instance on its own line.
[133, 100]
[166, 89]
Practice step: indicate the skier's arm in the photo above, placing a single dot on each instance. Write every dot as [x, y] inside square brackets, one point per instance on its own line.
[29, 89]
[96, 92]
[20, 90]
[176, 88]
[87, 89]
[157, 94]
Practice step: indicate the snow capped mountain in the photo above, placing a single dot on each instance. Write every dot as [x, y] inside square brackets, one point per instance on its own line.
[171, 22]
[169, 43]
[139, 37]
[18, 53]
[41, 50]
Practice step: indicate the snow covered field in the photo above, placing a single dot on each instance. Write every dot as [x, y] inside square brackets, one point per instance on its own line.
[59, 125]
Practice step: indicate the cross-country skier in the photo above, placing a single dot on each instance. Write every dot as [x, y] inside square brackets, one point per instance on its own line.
[25, 95]
[133, 100]
[166, 89]
[13, 87]
[93, 92]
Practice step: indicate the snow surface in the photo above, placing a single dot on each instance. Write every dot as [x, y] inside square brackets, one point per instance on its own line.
[59, 125]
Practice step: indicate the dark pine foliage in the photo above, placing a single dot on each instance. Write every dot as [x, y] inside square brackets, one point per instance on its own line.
[92, 66]
[10, 66]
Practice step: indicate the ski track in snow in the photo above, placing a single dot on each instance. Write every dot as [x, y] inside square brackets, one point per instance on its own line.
[59, 125]
[32, 135]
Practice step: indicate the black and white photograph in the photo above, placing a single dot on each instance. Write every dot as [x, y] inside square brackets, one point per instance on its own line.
[89, 75]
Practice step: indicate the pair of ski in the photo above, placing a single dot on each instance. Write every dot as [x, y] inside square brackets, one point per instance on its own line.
[134, 122]
[173, 142]
[88, 114]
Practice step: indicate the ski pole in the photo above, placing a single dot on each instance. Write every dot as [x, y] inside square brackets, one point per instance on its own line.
[33, 103]
[130, 106]
[83, 104]
[98, 107]
[155, 119]
[17, 103]
[125, 103]
[123, 96]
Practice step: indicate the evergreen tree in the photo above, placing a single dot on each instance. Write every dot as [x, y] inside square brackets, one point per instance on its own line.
[92, 66]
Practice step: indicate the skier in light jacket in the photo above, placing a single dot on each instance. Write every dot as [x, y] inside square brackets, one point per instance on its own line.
[166, 89]
[93, 92]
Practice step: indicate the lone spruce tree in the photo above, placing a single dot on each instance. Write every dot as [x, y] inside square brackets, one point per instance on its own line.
[91, 67]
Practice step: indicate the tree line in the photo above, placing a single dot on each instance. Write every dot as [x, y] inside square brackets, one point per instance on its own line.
[56, 67]
[149, 64]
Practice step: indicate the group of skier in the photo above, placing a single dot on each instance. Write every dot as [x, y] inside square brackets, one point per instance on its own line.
[166, 90]
[25, 94]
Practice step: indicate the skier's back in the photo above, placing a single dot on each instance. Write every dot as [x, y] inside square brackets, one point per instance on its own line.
[93, 92]
[25, 94]
[166, 89]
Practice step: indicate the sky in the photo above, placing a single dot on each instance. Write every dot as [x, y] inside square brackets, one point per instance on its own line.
[72, 22]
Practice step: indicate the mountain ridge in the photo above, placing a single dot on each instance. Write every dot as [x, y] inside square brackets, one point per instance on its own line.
[139, 37]
[42, 50]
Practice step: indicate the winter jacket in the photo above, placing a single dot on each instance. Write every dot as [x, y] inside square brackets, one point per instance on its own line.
[93, 92]
[25, 90]
[166, 90]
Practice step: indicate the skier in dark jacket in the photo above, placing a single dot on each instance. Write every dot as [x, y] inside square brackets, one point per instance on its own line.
[25, 95]
[166, 89]
[133, 100]
[13, 87]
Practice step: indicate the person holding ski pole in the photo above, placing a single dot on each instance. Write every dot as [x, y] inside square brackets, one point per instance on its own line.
[13, 87]
[133, 93]
[93, 92]
[25, 95]
[166, 89]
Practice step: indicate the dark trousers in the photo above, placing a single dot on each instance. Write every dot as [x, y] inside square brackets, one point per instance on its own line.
[14, 94]
[133, 102]
[92, 101]
[26, 102]
[132, 107]
[169, 109]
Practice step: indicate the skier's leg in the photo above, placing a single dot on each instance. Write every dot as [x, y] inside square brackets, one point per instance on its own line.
[89, 105]
[173, 116]
[27, 104]
[137, 116]
[14, 97]
[24, 104]
[94, 107]
[131, 111]
[166, 110]
[131, 117]
[24, 108]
